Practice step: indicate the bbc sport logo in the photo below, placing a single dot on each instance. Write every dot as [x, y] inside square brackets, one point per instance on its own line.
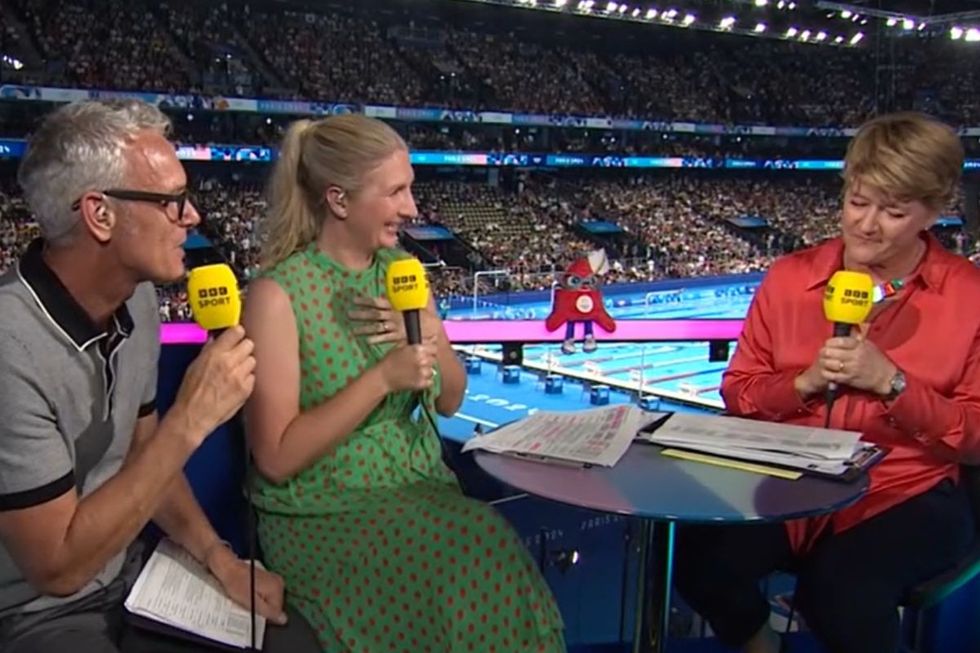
[213, 297]
[405, 283]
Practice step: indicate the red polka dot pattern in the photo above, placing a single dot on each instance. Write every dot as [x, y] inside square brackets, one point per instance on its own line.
[380, 550]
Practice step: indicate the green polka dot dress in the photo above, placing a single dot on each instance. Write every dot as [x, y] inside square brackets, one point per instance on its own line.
[380, 550]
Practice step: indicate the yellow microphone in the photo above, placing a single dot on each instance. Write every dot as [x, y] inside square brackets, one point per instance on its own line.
[212, 291]
[408, 292]
[846, 302]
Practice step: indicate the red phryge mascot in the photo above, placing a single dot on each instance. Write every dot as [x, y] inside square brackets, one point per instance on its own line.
[577, 299]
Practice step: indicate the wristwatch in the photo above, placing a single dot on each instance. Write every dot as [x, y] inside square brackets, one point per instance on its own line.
[896, 386]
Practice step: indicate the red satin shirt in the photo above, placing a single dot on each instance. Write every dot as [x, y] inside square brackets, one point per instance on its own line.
[931, 333]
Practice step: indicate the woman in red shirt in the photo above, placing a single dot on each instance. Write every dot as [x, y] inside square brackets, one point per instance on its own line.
[909, 380]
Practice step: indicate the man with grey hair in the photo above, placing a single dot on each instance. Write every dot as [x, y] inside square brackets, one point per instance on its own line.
[84, 461]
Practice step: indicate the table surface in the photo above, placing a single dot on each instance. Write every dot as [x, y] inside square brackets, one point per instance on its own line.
[646, 484]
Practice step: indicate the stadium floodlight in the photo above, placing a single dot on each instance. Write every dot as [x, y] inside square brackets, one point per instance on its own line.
[791, 32]
[780, 4]
[891, 22]
[636, 12]
[760, 28]
[821, 35]
[846, 13]
[761, 3]
[855, 18]
[623, 8]
[908, 24]
[688, 20]
[857, 38]
[560, 3]
[972, 35]
[839, 40]
[727, 22]
[17, 64]
[956, 33]
[805, 35]
[651, 14]
[611, 7]
[792, 5]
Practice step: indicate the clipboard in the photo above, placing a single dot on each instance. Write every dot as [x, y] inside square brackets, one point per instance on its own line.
[145, 635]
[864, 459]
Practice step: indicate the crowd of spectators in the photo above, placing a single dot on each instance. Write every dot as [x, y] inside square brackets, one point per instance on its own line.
[104, 43]
[348, 55]
[333, 57]
[675, 226]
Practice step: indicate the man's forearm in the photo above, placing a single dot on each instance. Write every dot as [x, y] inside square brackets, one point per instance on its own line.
[108, 520]
[182, 519]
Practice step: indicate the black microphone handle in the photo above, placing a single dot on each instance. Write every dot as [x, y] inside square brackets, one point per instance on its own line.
[413, 328]
[842, 329]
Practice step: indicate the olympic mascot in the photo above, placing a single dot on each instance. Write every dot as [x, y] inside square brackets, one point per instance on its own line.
[578, 300]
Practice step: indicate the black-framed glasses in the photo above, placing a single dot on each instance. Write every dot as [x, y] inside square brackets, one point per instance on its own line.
[163, 199]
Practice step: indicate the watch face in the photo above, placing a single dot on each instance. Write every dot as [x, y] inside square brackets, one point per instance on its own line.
[898, 383]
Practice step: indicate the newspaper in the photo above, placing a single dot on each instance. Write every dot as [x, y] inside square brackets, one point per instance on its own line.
[174, 589]
[599, 436]
[737, 435]
[824, 451]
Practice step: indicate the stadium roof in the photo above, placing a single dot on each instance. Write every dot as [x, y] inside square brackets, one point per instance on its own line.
[827, 22]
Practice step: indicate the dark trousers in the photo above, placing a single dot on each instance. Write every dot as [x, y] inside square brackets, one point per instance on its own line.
[97, 624]
[848, 586]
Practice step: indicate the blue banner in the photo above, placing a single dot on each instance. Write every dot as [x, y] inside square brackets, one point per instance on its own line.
[14, 148]
[200, 101]
[749, 221]
[429, 232]
[600, 227]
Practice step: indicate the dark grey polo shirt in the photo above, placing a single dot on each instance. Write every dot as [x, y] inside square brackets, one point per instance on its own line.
[70, 396]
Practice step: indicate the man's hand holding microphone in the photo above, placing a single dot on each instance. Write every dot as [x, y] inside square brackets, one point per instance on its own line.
[221, 378]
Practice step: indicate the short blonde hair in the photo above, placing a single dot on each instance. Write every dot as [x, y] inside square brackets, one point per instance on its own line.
[908, 156]
[317, 154]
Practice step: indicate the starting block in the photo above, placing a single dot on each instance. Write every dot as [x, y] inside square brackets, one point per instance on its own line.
[474, 365]
[554, 384]
[512, 373]
[599, 395]
[650, 402]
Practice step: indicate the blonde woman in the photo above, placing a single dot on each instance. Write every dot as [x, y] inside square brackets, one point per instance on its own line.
[379, 548]
[909, 381]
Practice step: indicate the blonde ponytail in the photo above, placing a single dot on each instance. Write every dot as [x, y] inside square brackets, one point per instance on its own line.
[291, 223]
[334, 151]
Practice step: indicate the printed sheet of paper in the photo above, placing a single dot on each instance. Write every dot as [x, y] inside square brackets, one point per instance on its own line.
[176, 590]
[720, 433]
[599, 436]
[802, 463]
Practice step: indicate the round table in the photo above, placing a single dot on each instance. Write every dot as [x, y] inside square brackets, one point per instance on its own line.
[663, 491]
